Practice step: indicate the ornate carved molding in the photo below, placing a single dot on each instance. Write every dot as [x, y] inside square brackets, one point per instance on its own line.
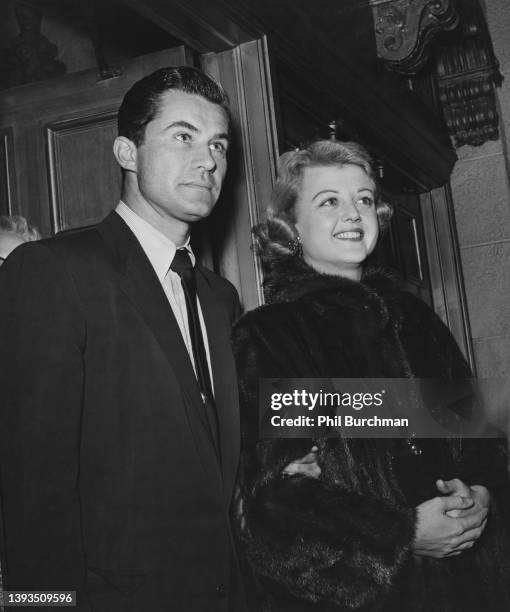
[467, 73]
[404, 30]
[30, 56]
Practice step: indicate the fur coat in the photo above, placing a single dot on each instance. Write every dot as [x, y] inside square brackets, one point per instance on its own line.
[342, 542]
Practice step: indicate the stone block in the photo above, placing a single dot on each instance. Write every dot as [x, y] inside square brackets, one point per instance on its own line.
[487, 280]
[492, 356]
[481, 197]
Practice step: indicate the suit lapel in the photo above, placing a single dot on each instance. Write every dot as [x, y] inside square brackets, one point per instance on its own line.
[140, 283]
[224, 378]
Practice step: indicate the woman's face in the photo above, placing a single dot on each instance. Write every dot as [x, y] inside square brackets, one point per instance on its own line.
[336, 218]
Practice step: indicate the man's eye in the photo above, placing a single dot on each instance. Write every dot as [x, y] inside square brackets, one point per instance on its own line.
[218, 147]
[366, 201]
[183, 137]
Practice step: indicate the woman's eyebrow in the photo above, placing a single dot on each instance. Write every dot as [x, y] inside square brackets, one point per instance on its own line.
[324, 191]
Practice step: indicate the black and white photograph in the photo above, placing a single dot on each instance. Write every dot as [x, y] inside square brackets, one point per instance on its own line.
[255, 305]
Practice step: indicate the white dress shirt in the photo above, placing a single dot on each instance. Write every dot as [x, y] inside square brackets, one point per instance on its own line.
[160, 251]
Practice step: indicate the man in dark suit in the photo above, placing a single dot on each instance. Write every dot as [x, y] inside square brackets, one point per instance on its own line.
[119, 421]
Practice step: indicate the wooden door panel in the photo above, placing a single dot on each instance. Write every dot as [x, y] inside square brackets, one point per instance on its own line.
[410, 245]
[7, 176]
[445, 265]
[411, 255]
[403, 246]
[245, 74]
[85, 179]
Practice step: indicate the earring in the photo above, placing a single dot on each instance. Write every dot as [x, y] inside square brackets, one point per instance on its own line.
[296, 246]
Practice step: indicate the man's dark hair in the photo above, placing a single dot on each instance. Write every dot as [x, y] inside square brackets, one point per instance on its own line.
[140, 104]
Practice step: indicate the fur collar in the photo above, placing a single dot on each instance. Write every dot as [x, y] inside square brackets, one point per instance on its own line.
[290, 279]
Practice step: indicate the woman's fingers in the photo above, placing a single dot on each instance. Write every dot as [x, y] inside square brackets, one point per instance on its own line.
[307, 465]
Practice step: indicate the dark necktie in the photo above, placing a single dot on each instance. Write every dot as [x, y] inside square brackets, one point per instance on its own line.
[182, 265]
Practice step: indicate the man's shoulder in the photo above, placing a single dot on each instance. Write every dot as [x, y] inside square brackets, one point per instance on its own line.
[75, 241]
[224, 292]
[73, 246]
[217, 282]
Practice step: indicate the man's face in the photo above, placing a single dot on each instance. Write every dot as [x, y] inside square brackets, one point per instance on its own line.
[181, 164]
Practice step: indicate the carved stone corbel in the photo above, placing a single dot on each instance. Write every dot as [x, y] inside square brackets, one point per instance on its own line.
[467, 74]
[405, 28]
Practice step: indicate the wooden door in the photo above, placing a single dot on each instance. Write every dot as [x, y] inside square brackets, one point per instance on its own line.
[56, 162]
[403, 246]
[447, 282]
[244, 72]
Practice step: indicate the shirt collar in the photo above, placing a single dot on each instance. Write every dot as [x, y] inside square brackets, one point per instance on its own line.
[159, 249]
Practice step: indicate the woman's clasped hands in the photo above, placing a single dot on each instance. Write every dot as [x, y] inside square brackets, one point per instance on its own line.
[448, 525]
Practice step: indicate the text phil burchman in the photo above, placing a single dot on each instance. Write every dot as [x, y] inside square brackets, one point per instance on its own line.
[337, 421]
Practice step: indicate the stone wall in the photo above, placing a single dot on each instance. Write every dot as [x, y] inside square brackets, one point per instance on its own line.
[481, 193]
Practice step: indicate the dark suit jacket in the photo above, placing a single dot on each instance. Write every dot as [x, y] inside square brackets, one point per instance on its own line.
[110, 484]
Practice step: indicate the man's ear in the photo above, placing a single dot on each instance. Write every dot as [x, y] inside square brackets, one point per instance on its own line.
[125, 153]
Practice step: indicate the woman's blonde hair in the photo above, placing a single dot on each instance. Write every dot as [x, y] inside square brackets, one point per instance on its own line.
[18, 225]
[274, 237]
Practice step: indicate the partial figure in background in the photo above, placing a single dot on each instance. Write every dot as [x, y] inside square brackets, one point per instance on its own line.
[388, 524]
[15, 230]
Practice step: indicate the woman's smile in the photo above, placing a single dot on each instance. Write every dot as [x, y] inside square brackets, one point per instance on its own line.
[354, 235]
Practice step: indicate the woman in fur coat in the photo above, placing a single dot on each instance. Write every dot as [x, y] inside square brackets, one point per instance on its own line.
[358, 524]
